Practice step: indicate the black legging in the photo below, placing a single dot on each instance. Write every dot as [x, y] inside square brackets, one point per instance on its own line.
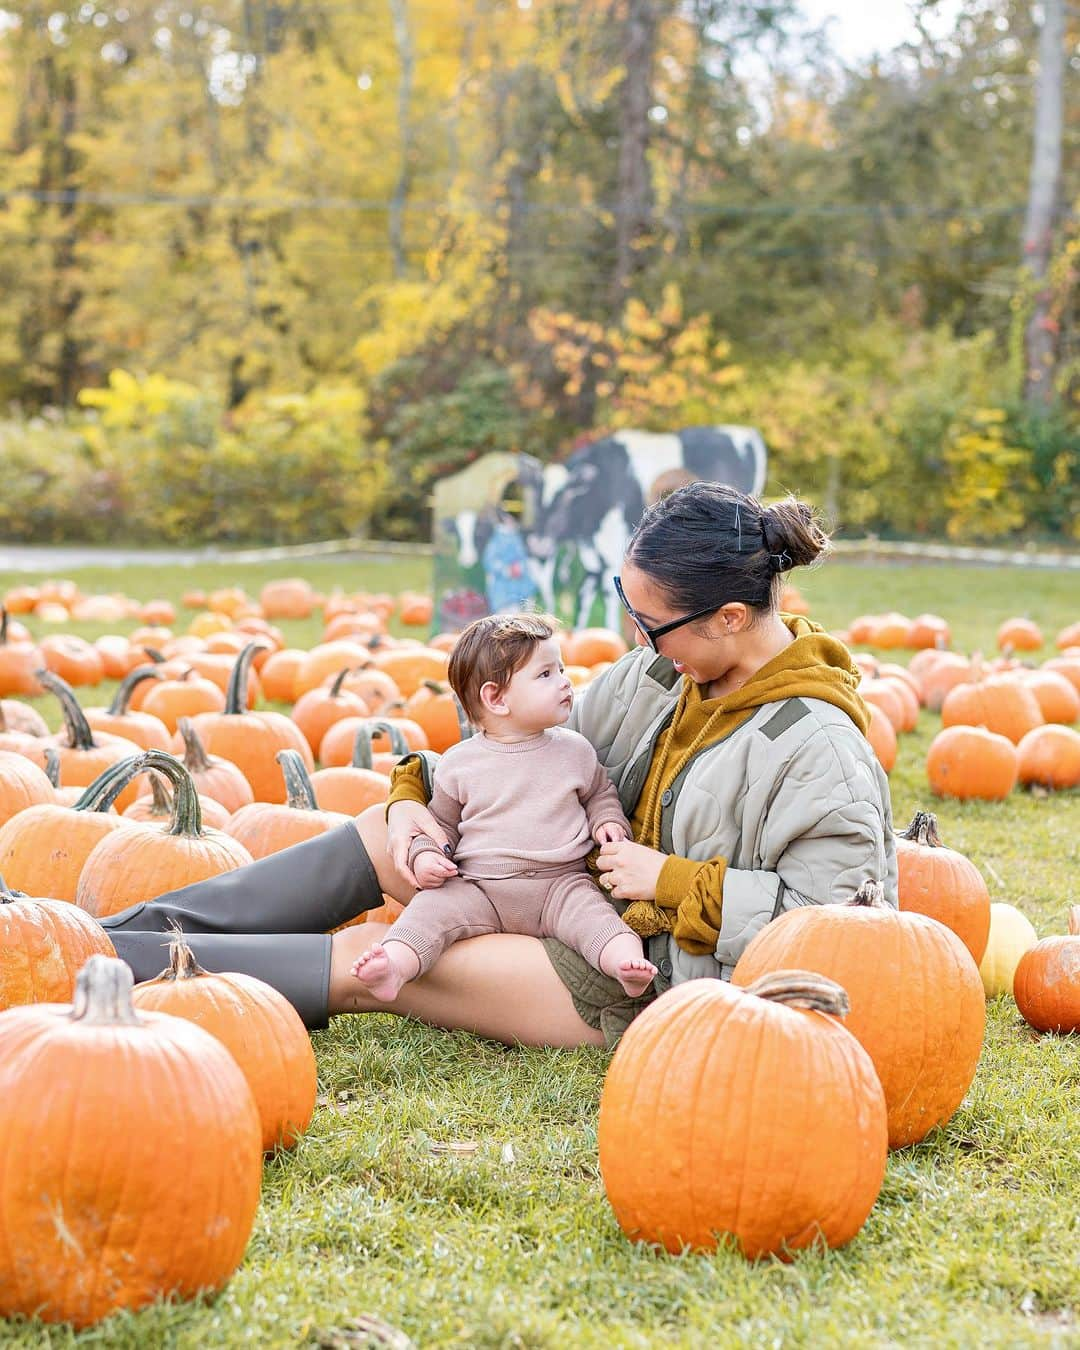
[269, 919]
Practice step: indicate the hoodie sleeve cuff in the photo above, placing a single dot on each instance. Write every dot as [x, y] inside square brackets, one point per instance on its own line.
[676, 881]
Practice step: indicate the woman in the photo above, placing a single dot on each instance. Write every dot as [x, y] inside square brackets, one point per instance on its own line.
[736, 739]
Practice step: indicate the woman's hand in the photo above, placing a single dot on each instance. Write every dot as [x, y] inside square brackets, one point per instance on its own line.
[403, 823]
[630, 871]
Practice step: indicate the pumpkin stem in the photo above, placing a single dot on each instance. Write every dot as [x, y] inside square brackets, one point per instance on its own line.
[186, 808]
[103, 994]
[299, 793]
[7, 895]
[119, 706]
[162, 801]
[79, 734]
[335, 688]
[182, 963]
[52, 765]
[156, 656]
[1074, 921]
[3, 625]
[107, 786]
[802, 989]
[195, 760]
[923, 830]
[361, 758]
[870, 895]
[236, 694]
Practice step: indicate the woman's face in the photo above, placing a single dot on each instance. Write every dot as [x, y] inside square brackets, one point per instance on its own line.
[704, 650]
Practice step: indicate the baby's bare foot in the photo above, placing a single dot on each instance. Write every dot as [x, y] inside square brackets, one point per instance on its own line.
[377, 972]
[635, 976]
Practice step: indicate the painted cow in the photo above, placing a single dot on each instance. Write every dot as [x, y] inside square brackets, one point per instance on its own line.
[589, 505]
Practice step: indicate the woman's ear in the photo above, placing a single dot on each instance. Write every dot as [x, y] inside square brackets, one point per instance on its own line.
[734, 617]
[492, 700]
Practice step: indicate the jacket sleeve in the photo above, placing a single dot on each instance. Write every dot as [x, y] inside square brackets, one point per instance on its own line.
[828, 828]
[601, 803]
[411, 778]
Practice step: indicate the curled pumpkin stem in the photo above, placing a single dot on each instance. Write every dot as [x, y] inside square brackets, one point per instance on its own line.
[923, 830]
[802, 989]
[870, 895]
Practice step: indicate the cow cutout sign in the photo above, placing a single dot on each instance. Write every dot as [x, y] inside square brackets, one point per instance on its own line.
[512, 533]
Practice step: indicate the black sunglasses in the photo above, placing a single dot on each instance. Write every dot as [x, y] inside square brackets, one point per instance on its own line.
[651, 635]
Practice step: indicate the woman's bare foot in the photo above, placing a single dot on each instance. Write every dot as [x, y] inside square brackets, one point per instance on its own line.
[383, 973]
[635, 976]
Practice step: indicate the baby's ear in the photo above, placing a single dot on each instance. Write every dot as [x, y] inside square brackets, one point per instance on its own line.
[492, 699]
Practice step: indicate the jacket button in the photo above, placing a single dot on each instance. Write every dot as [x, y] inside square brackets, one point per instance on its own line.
[667, 797]
[665, 968]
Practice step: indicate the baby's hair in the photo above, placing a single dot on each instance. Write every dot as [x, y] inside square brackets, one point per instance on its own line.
[490, 650]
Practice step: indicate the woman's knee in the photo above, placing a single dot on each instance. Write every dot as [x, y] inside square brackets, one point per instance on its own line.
[371, 825]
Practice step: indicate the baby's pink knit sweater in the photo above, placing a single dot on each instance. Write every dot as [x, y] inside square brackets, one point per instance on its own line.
[510, 808]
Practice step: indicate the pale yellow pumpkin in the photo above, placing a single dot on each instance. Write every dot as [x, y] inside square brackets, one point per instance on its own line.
[1011, 935]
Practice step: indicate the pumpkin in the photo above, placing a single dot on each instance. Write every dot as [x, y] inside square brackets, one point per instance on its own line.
[84, 753]
[882, 737]
[1069, 636]
[885, 694]
[252, 739]
[143, 862]
[21, 599]
[141, 728]
[161, 613]
[917, 1003]
[1057, 697]
[186, 695]
[942, 883]
[416, 608]
[268, 827]
[90, 1219]
[43, 945]
[43, 849]
[693, 1146]
[288, 598]
[63, 796]
[22, 784]
[590, 646]
[354, 741]
[968, 762]
[316, 711]
[218, 667]
[1069, 666]
[436, 710]
[1019, 635]
[937, 681]
[1011, 934]
[1046, 985]
[156, 807]
[212, 775]
[20, 659]
[278, 674]
[409, 667]
[929, 631]
[374, 686]
[1001, 703]
[75, 660]
[21, 717]
[327, 659]
[1050, 757]
[257, 1025]
[353, 788]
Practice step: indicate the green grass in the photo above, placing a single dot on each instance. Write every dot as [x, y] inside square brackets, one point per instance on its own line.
[973, 1241]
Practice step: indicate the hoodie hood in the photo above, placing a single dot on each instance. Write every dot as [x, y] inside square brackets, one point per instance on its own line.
[815, 665]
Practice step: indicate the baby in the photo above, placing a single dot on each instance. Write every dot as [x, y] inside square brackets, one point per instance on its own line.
[522, 803]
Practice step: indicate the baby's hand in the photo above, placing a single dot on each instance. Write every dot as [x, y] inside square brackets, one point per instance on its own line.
[611, 833]
[432, 869]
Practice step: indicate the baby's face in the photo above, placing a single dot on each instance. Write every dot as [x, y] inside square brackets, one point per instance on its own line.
[539, 694]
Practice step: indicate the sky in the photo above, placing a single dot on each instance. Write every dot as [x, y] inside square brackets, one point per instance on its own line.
[859, 28]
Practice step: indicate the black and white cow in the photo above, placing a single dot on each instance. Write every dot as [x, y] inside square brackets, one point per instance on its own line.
[589, 505]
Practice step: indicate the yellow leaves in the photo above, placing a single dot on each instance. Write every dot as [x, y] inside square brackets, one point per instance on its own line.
[130, 402]
[988, 477]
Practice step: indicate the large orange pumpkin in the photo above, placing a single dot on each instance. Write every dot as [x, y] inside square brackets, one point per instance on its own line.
[1050, 757]
[278, 674]
[1057, 697]
[90, 1220]
[43, 849]
[252, 739]
[943, 884]
[212, 775]
[1046, 985]
[316, 710]
[289, 598]
[145, 861]
[882, 737]
[257, 1025]
[22, 784]
[409, 667]
[20, 659]
[917, 1001]
[43, 945]
[968, 762]
[1000, 703]
[745, 1112]
[186, 695]
[1019, 635]
[435, 708]
[140, 727]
